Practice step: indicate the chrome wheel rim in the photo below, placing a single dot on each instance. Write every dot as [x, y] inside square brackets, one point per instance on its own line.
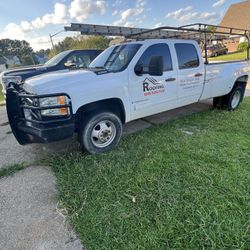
[236, 99]
[103, 133]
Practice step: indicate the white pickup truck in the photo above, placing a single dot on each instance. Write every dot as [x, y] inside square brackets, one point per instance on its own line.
[126, 82]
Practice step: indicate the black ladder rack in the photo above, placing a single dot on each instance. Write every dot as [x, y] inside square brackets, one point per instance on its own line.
[200, 32]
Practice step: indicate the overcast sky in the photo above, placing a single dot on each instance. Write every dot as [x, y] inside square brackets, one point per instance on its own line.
[34, 20]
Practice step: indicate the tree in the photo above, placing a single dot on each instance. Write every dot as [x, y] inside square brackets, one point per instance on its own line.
[80, 42]
[43, 52]
[92, 42]
[211, 29]
[20, 48]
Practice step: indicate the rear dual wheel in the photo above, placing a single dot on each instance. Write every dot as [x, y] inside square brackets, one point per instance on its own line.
[232, 100]
[235, 98]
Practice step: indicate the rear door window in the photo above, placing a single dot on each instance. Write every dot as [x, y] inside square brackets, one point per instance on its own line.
[187, 55]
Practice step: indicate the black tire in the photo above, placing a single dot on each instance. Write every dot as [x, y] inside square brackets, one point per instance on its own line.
[217, 102]
[100, 132]
[234, 98]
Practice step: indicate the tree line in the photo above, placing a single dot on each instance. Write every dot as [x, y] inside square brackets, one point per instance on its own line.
[26, 54]
[19, 48]
[80, 42]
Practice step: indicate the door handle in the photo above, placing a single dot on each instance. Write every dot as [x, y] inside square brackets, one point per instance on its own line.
[171, 79]
[198, 74]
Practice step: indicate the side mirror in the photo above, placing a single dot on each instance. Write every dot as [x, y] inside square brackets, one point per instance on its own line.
[70, 64]
[139, 69]
[155, 67]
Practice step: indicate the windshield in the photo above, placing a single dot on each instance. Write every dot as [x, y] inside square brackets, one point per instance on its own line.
[115, 59]
[56, 59]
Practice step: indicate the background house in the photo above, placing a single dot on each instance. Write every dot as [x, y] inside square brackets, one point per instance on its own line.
[237, 16]
[40, 58]
[2, 64]
[12, 60]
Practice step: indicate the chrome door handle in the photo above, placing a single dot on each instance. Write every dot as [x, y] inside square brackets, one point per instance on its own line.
[171, 79]
[198, 74]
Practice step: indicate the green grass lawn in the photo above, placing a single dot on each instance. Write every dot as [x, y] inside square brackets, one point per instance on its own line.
[1, 94]
[164, 189]
[230, 57]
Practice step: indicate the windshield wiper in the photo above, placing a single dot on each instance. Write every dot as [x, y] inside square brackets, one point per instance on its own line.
[97, 67]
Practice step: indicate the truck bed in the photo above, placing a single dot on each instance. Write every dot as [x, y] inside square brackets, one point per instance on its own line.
[220, 77]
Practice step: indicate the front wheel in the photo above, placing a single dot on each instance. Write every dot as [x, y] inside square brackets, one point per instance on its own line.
[100, 132]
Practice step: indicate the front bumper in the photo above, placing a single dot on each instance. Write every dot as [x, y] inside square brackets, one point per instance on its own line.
[29, 129]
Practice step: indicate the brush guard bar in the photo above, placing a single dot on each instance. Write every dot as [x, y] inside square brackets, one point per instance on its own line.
[27, 123]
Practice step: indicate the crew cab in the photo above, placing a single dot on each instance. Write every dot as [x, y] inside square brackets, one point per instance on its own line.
[126, 82]
[63, 61]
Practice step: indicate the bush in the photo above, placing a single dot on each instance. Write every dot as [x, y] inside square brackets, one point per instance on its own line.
[80, 42]
[242, 46]
[27, 60]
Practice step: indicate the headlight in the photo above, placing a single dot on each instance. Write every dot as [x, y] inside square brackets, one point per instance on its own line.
[14, 79]
[54, 101]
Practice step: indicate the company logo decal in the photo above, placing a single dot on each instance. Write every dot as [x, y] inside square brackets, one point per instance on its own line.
[152, 87]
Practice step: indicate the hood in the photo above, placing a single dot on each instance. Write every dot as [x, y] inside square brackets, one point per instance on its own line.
[24, 70]
[56, 82]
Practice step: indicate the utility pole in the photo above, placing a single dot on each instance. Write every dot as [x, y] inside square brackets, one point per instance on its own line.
[51, 38]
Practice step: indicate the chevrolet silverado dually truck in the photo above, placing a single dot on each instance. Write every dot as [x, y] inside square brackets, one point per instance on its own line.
[66, 60]
[126, 82]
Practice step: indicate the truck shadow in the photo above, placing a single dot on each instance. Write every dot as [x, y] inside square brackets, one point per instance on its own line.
[71, 144]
